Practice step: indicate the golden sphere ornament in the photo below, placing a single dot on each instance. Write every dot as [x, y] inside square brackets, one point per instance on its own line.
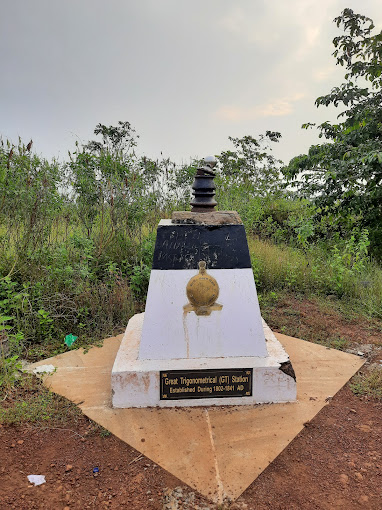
[202, 292]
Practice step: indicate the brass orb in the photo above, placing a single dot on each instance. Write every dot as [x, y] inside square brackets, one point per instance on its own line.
[202, 290]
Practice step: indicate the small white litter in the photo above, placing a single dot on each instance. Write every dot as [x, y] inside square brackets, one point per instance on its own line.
[36, 479]
[44, 369]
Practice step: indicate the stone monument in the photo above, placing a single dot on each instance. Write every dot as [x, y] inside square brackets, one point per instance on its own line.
[201, 340]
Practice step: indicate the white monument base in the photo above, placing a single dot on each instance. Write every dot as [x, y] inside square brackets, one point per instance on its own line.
[136, 382]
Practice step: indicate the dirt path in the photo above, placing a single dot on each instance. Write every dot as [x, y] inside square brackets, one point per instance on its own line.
[335, 462]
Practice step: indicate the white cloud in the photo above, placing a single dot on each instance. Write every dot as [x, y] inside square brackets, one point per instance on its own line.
[277, 108]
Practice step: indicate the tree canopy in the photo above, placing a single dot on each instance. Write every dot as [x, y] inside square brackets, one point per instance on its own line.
[344, 175]
[251, 163]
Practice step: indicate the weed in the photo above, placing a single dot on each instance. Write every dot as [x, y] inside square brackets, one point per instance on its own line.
[9, 371]
[104, 432]
[96, 428]
[368, 383]
[28, 401]
[139, 280]
[337, 343]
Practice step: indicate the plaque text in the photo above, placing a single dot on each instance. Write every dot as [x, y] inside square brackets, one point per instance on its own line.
[213, 383]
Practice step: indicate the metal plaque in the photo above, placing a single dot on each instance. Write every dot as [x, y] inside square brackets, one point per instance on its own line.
[213, 383]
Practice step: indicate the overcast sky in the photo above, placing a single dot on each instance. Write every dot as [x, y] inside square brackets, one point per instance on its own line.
[185, 73]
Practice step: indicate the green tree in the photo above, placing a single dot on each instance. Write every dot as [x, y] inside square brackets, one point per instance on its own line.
[114, 189]
[344, 175]
[29, 197]
[251, 163]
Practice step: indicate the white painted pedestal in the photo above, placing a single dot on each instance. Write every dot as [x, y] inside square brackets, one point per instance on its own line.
[136, 382]
[169, 332]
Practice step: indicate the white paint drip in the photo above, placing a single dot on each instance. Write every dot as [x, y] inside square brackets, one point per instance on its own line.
[219, 483]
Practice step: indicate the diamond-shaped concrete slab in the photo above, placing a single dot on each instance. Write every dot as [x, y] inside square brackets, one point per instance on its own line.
[218, 451]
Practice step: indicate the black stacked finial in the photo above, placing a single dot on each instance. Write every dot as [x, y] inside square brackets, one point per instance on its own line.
[204, 187]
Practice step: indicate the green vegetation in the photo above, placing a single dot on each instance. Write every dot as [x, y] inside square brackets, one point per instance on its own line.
[368, 383]
[28, 401]
[77, 238]
[340, 270]
[344, 175]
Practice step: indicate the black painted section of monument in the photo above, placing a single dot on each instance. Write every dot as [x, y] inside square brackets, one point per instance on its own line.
[183, 246]
[203, 187]
[204, 192]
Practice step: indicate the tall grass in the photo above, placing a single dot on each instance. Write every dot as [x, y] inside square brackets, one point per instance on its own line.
[316, 271]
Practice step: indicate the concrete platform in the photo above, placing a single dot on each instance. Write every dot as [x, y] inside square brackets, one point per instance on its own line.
[219, 451]
[135, 382]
